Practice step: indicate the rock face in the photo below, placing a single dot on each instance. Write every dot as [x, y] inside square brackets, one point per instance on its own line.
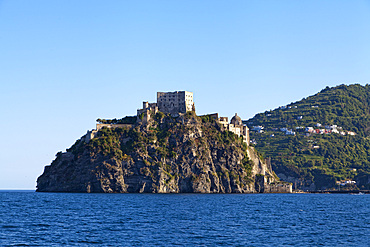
[186, 154]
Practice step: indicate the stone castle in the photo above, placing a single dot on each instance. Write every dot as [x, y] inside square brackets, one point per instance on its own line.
[167, 102]
[175, 103]
[179, 102]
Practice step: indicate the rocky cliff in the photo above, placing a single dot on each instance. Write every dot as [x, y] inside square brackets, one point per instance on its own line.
[184, 154]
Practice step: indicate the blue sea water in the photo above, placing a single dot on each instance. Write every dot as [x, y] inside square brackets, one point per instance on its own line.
[55, 219]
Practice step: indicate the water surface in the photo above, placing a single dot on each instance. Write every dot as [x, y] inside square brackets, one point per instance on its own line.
[54, 219]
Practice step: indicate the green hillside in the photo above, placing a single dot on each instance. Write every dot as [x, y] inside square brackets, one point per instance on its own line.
[335, 148]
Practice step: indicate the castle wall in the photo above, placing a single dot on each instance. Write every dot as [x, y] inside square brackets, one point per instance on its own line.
[99, 126]
[90, 135]
[234, 129]
[224, 119]
[148, 110]
[278, 188]
[246, 133]
[265, 184]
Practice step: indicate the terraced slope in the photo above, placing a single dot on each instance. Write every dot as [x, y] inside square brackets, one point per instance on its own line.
[318, 140]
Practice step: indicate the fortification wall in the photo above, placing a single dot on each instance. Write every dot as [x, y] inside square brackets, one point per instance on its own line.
[278, 188]
[99, 126]
[90, 135]
[263, 184]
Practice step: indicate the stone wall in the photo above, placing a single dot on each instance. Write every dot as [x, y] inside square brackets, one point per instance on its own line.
[89, 135]
[92, 133]
[266, 184]
[99, 126]
[145, 114]
[280, 187]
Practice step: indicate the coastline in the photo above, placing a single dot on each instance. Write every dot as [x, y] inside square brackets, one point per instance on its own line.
[339, 192]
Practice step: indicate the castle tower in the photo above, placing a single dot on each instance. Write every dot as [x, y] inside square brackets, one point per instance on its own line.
[175, 102]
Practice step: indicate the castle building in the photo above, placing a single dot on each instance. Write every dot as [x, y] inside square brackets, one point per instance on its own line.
[148, 110]
[167, 102]
[236, 126]
[175, 102]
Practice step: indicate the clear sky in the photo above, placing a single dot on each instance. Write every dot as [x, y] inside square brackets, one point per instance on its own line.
[63, 64]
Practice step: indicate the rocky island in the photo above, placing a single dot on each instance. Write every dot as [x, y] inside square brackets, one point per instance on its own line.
[166, 148]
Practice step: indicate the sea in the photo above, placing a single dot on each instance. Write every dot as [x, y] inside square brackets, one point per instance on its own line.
[28, 218]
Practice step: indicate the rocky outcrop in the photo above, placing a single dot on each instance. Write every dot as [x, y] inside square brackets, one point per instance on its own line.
[186, 154]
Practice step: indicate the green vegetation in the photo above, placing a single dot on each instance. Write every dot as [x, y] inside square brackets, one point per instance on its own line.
[108, 142]
[322, 158]
[165, 138]
[125, 120]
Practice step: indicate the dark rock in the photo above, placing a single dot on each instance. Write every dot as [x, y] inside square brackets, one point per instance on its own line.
[173, 155]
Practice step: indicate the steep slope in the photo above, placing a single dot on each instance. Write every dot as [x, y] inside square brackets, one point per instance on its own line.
[319, 140]
[168, 154]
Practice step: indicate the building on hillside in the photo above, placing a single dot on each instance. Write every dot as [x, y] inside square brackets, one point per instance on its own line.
[290, 132]
[175, 102]
[236, 126]
[287, 131]
[146, 113]
[310, 129]
[167, 102]
[335, 131]
[258, 128]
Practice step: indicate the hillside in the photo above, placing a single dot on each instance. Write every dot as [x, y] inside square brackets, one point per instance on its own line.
[318, 140]
[168, 154]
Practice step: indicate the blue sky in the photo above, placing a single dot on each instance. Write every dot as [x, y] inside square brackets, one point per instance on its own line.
[66, 63]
